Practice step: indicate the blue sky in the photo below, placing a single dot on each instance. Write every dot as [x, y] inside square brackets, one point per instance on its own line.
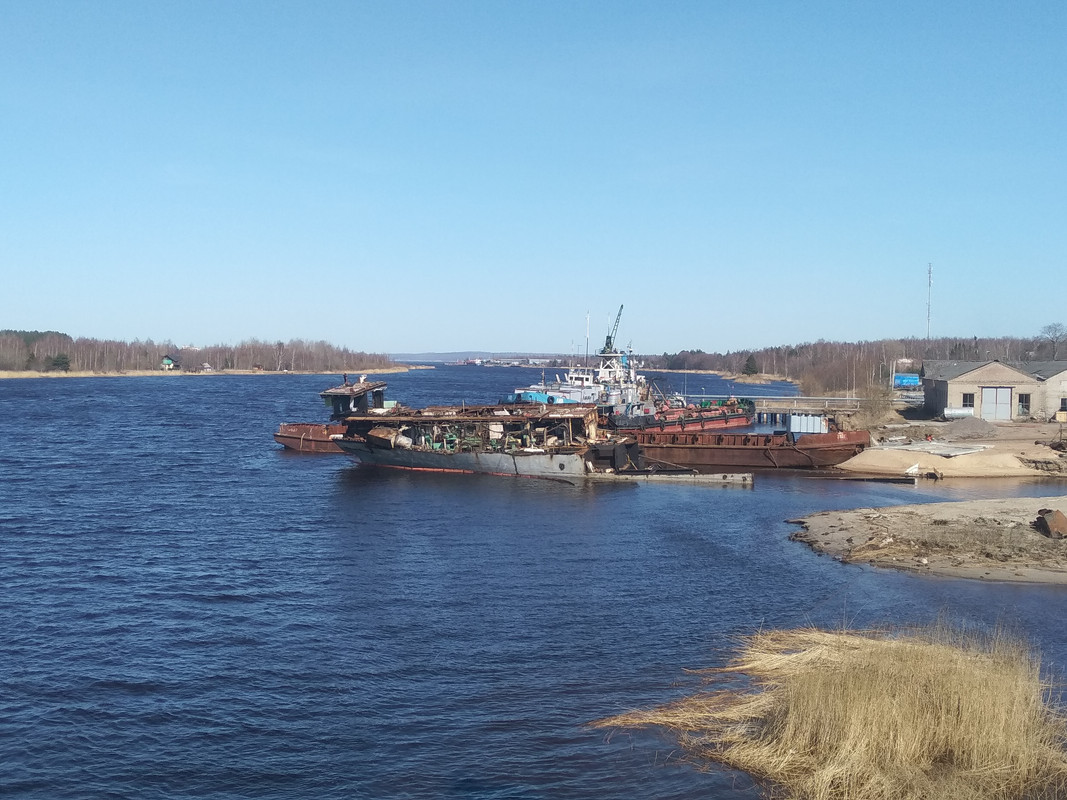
[437, 176]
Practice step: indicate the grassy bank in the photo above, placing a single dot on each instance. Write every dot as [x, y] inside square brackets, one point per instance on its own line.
[876, 716]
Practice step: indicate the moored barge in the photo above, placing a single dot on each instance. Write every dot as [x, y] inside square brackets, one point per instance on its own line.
[678, 417]
[363, 397]
[529, 441]
[709, 452]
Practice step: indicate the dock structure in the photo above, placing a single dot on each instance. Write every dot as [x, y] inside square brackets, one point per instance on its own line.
[690, 477]
[774, 410]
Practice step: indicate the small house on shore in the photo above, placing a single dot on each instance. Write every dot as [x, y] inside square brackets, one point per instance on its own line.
[169, 363]
[995, 390]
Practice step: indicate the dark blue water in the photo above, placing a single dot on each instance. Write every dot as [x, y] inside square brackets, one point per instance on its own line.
[191, 612]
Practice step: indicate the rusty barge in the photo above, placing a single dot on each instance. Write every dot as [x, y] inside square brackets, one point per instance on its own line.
[363, 397]
[527, 441]
[709, 452]
[677, 416]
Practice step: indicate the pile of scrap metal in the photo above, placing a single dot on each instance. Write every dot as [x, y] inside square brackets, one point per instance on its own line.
[1051, 523]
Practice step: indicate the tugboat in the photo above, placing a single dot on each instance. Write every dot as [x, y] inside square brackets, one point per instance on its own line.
[626, 400]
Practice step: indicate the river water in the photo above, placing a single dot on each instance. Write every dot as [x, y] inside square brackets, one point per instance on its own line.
[191, 612]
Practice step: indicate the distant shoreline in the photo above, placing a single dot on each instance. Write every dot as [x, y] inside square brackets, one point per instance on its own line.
[147, 373]
[758, 378]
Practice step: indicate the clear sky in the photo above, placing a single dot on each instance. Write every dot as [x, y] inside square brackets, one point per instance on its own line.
[448, 175]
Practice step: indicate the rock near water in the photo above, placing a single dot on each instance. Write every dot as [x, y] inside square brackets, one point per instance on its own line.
[1051, 523]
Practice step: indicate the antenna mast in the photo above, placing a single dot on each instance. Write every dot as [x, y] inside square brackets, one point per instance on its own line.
[587, 338]
[929, 295]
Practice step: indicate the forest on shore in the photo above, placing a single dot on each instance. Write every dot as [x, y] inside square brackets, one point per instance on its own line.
[819, 368]
[51, 351]
[862, 368]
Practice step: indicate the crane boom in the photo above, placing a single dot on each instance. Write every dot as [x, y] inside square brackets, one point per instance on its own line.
[609, 342]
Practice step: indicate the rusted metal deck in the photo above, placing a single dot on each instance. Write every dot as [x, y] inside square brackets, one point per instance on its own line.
[775, 409]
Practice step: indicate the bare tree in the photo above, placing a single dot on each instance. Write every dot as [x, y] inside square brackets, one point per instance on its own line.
[1055, 334]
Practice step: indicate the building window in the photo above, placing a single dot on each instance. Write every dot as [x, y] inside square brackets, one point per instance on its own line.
[1063, 404]
[968, 399]
[1024, 405]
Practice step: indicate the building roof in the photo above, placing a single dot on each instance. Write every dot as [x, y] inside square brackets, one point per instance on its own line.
[1043, 370]
[949, 370]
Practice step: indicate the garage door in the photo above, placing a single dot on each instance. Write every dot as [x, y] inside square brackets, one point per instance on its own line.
[996, 402]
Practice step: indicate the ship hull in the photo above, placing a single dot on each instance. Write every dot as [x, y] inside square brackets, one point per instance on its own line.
[309, 437]
[521, 463]
[710, 452]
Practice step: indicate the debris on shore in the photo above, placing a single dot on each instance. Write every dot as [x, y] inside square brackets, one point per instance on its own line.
[981, 539]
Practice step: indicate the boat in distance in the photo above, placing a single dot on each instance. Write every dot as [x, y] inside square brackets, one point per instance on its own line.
[709, 452]
[627, 401]
[362, 397]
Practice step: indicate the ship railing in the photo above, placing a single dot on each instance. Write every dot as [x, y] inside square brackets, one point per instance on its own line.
[787, 402]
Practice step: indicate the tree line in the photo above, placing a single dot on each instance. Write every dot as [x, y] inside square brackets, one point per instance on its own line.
[49, 351]
[820, 368]
[826, 368]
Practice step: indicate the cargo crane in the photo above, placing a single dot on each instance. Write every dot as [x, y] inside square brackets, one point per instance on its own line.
[609, 342]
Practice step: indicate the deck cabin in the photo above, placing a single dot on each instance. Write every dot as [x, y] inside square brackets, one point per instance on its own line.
[356, 398]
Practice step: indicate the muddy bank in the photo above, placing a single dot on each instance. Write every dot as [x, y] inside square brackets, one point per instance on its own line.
[980, 539]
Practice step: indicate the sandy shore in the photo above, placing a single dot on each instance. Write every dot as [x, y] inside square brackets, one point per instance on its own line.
[979, 539]
[1003, 451]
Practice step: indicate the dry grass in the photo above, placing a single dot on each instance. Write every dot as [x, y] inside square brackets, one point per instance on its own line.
[876, 715]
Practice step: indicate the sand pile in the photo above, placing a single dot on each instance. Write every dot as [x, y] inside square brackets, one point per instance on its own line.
[989, 463]
[966, 428]
[996, 456]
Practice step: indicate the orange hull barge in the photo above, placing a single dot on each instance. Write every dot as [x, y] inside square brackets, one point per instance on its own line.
[682, 420]
[309, 437]
[712, 452]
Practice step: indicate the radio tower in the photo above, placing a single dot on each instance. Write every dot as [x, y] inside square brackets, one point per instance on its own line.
[929, 295]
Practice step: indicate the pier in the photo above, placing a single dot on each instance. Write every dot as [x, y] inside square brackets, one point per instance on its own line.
[774, 410]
